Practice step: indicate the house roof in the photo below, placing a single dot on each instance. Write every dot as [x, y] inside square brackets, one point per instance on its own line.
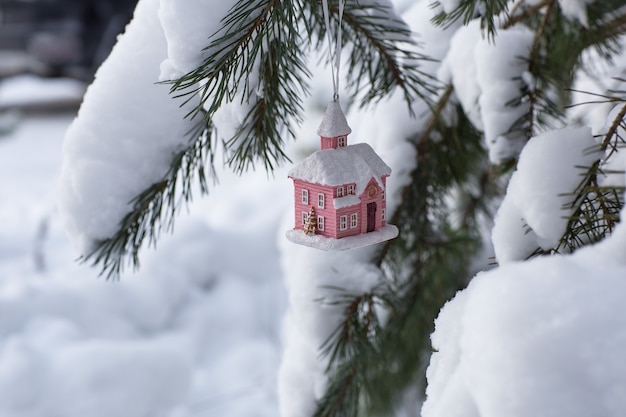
[351, 164]
[334, 122]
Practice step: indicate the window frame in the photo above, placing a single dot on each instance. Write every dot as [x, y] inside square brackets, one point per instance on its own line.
[305, 217]
[341, 141]
[321, 200]
[305, 196]
[320, 223]
[340, 192]
[354, 220]
[350, 189]
[343, 222]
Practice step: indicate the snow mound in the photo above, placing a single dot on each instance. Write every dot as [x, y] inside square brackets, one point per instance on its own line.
[126, 131]
[534, 212]
[545, 337]
[487, 77]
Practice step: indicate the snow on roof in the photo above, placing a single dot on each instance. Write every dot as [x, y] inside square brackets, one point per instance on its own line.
[346, 201]
[334, 122]
[355, 163]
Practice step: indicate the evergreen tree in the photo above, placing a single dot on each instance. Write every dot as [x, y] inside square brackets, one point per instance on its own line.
[379, 351]
[310, 226]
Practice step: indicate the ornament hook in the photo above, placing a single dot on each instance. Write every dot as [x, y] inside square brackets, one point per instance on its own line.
[336, 52]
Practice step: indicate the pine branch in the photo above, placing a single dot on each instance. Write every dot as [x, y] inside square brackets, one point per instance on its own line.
[154, 209]
[429, 250]
[428, 262]
[258, 60]
[381, 52]
[595, 209]
[526, 12]
[256, 39]
[486, 10]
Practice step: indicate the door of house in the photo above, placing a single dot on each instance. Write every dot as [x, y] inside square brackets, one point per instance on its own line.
[371, 217]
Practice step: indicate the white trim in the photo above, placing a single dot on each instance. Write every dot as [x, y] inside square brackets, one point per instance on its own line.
[305, 196]
[350, 189]
[382, 214]
[343, 222]
[305, 217]
[320, 223]
[320, 200]
[341, 141]
[354, 220]
[340, 192]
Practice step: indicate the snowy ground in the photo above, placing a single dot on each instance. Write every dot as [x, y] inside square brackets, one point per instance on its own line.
[194, 333]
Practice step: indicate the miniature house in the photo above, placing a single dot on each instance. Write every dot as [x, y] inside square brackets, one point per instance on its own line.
[345, 186]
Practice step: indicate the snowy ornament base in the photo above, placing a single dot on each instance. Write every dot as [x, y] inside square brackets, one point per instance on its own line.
[298, 236]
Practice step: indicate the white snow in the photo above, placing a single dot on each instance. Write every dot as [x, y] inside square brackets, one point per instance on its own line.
[26, 89]
[125, 133]
[596, 76]
[187, 27]
[499, 72]
[534, 213]
[354, 163]
[194, 333]
[486, 77]
[545, 337]
[576, 10]
[448, 6]
[334, 122]
[459, 67]
[346, 201]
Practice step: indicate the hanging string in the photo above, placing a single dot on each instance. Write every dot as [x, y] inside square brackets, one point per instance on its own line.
[336, 52]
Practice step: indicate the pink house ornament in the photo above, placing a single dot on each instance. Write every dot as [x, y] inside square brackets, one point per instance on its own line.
[344, 187]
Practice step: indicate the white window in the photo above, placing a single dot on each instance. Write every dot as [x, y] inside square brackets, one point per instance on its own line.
[343, 222]
[351, 189]
[320, 200]
[341, 142]
[305, 196]
[382, 194]
[320, 223]
[382, 215]
[339, 191]
[305, 217]
[354, 220]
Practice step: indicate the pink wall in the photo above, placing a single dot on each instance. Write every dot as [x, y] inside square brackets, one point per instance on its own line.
[372, 194]
[328, 211]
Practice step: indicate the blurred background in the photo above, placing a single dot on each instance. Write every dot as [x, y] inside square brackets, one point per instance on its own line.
[194, 333]
[53, 38]
[45, 41]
